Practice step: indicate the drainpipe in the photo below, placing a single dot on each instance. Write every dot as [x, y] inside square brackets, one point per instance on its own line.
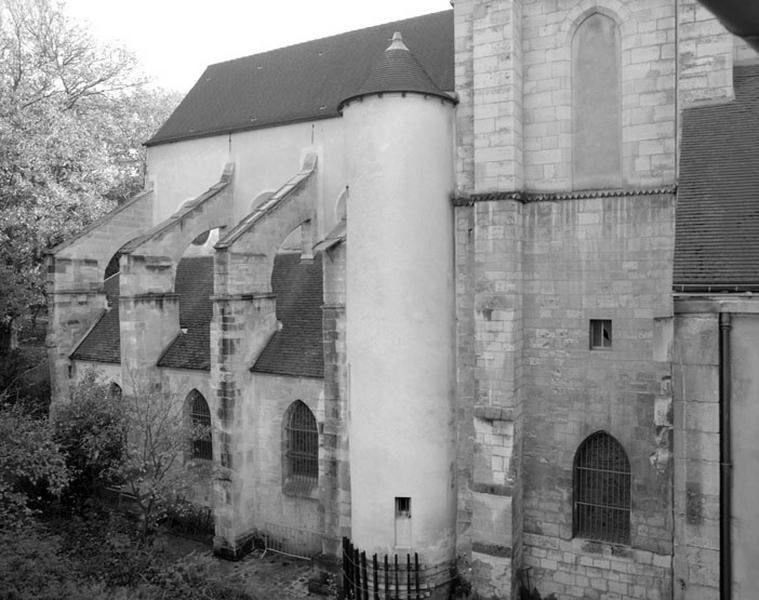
[725, 462]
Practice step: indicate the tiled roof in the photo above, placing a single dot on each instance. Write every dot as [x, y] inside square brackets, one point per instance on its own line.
[191, 350]
[717, 218]
[194, 284]
[397, 70]
[305, 81]
[103, 342]
[296, 349]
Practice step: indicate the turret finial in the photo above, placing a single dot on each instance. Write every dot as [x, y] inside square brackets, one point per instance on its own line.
[397, 43]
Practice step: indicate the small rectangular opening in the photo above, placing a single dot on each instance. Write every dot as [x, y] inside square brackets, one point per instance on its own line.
[402, 522]
[600, 334]
[403, 507]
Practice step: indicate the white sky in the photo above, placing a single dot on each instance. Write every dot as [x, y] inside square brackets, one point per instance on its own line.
[175, 40]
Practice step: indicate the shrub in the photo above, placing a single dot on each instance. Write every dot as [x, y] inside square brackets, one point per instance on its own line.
[31, 464]
[90, 430]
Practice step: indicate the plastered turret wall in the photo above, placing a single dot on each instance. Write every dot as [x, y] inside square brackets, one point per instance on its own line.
[399, 307]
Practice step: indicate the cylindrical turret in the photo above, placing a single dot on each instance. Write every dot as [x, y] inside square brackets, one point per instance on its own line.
[400, 310]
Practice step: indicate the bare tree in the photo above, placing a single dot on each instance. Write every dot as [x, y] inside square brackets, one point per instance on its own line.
[156, 466]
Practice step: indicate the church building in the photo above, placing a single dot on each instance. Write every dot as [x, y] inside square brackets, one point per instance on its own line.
[474, 287]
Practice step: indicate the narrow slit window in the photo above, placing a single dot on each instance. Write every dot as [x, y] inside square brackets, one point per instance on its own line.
[600, 334]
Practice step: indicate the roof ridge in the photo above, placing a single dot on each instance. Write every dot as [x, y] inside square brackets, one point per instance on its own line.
[327, 37]
[303, 81]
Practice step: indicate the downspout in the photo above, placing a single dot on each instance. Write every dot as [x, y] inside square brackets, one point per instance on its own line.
[725, 462]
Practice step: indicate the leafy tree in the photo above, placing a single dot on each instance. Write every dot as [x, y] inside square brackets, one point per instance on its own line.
[139, 441]
[91, 431]
[30, 463]
[73, 114]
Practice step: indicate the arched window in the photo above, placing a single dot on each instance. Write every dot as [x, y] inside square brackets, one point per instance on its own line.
[596, 104]
[200, 417]
[301, 446]
[602, 482]
[114, 390]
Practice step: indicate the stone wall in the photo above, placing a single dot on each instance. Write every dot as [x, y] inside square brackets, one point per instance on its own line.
[263, 501]
[599, 258]
[75, 274]
[335, 468]
[515, 125]
[530, 277]
[696, 476]
[696, 370]
[705, 56]
[249, 490]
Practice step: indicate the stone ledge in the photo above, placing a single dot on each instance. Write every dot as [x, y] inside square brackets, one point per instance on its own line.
[493, 413]
[248, 297]
[491, 549]
[150, 297]
[494, 489]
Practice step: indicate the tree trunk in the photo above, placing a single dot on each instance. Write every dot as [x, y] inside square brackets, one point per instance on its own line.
[8, 339]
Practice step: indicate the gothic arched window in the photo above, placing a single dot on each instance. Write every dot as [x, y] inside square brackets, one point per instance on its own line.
[596, 104]
[602, 482]
[301, 447]
[200, 417]
[114, 391]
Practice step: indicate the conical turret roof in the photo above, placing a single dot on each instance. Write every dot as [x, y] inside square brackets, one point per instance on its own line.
[397, 70]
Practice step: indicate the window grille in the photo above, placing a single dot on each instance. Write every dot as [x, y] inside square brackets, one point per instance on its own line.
[602, 481]
[200, 416]
[302, 446]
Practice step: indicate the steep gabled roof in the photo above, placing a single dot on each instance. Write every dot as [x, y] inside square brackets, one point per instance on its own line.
[717, 218]
[305, 81]
[296, 349]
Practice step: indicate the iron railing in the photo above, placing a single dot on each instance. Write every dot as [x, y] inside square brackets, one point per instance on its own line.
[389, 577]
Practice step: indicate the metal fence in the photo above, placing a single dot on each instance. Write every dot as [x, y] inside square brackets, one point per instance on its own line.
[291, 541]
[389, 577]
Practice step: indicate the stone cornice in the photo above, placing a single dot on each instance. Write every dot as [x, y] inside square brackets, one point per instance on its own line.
[526, 197]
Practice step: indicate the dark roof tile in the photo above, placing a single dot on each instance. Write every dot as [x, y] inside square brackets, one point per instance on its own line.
[191, 350]
[397, 70]
[717, 217]
[103, 342]
[296, 349]
[194, 284]
[305, 81]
